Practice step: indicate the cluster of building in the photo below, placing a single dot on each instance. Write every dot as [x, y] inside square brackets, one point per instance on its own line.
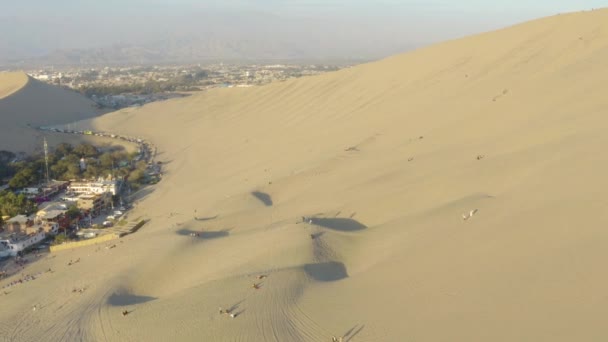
[45, 192]
[214, 74]
[91, 198]
[131, 100]
[185, 77]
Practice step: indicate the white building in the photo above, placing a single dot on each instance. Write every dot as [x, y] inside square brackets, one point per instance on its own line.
[4, 251]
[13, 244]
[98, 187]
[30, 191]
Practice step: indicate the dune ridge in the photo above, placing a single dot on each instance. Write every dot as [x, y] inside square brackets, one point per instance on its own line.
[12, 82]
[332, 205]
[26, 103]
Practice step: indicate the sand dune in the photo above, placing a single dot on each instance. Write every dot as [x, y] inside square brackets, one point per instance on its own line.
[26, 103]
[11, 82]
[347, 191]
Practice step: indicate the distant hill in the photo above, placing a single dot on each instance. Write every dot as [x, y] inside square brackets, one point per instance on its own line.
[200, 37]
[26, 102]
[198, 49]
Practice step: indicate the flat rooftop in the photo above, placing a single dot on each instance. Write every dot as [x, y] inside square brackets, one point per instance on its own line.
[14, 237]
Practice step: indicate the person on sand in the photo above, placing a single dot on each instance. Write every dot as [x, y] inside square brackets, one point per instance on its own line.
[221, 310]
[232, 315]
[125, 312]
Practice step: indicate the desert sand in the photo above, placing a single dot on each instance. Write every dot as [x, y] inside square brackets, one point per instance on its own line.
[349, 192]
[26, 103]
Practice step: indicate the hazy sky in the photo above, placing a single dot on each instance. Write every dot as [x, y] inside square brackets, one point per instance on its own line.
[512, 8]
[41, 26]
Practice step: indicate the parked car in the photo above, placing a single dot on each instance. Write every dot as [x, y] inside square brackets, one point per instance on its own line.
[107, 223]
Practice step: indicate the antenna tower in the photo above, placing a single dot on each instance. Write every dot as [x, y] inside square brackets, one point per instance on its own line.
[46, 160]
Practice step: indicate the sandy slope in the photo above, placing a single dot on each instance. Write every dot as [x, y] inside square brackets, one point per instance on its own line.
[391, 258]
[11, 82]
[25, 101]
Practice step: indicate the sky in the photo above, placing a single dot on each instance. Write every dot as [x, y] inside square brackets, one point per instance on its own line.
[380, 27]
[305, 7]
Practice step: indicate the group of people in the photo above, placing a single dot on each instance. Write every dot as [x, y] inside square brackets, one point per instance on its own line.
[24, 279]
[79, 290]
[227, 312]
[73, 262]
[254, 285]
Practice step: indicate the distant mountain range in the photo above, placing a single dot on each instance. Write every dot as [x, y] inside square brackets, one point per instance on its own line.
[186, 51]
[207, 49]
[195, 38]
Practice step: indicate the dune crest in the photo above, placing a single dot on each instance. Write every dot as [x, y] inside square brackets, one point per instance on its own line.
[11, 82]
[26, 103]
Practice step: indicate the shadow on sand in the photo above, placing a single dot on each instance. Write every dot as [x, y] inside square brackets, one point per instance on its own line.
[316, 235]
[341, 224]
[263, 197]
[204, 235]
[354, 331]
[141, 193]
[125, 298]
[326, 271]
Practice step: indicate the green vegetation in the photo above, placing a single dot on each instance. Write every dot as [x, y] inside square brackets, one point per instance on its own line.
[73, 212]
[60, 238]
[64, 164]
[185, 82]
[5, 159]
[12, 205]
[97, 164]
[24, 177]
